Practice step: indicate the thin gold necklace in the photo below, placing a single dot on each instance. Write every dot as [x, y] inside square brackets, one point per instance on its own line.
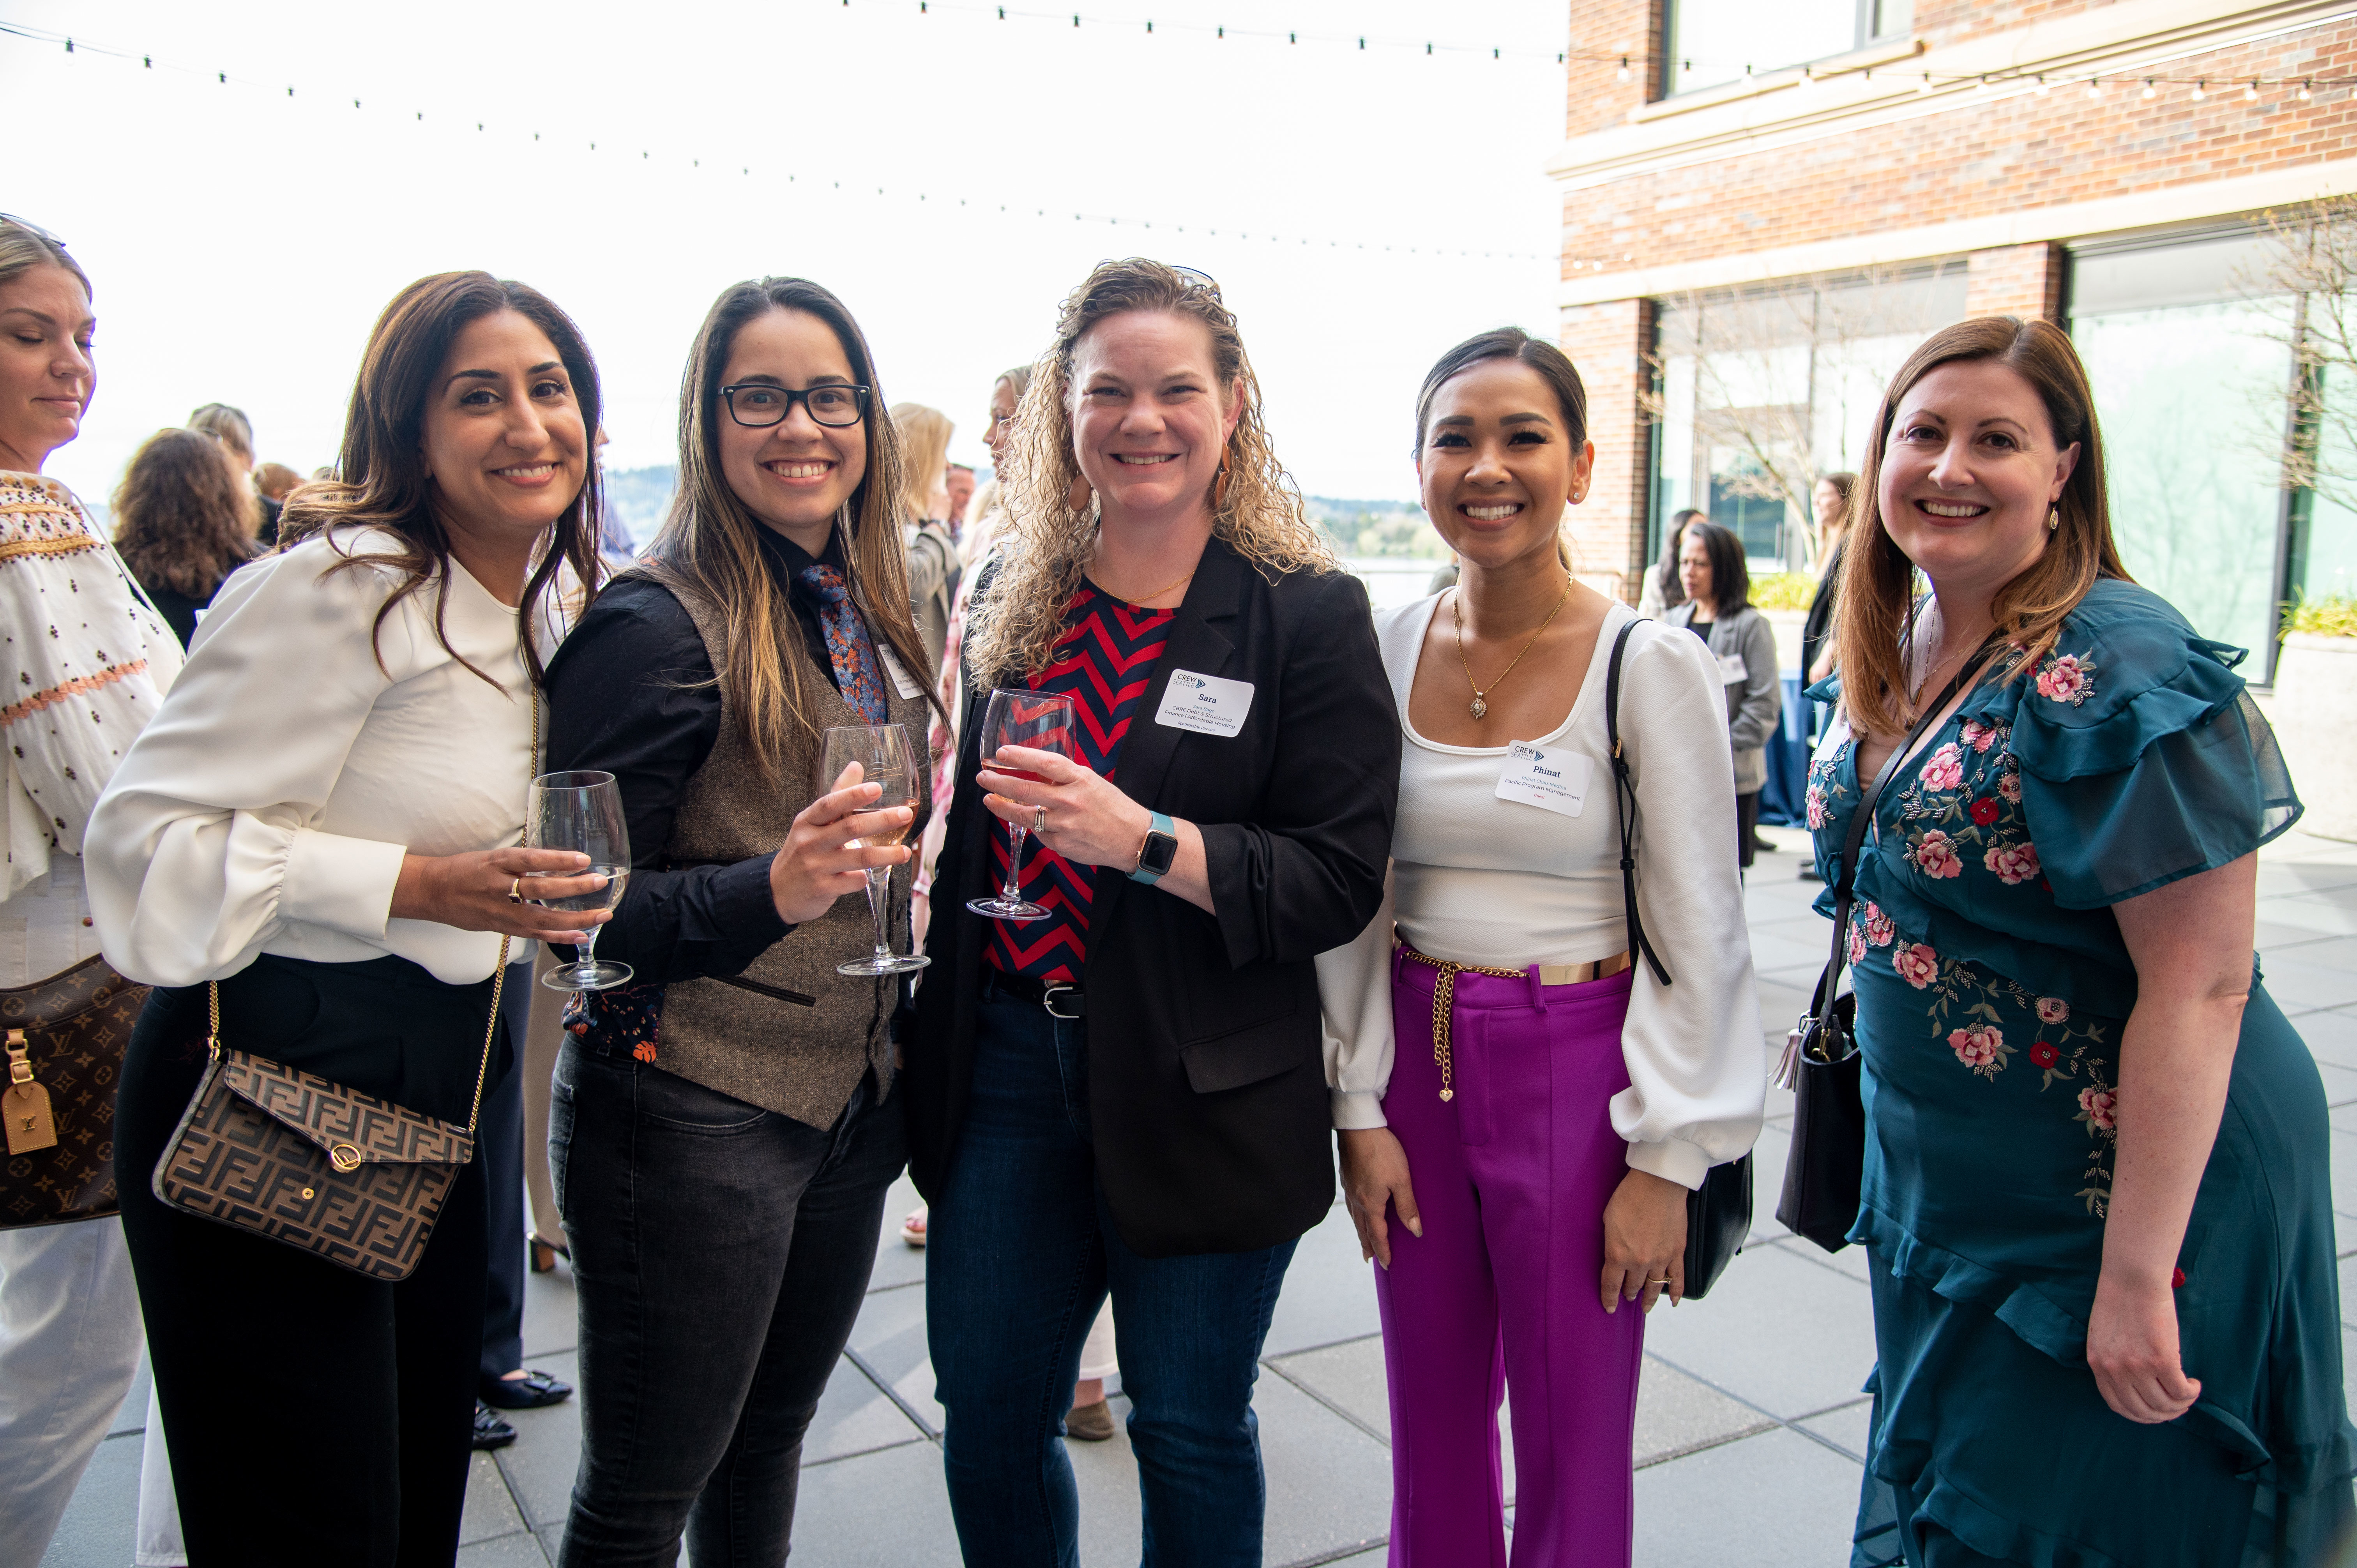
[1480, 704]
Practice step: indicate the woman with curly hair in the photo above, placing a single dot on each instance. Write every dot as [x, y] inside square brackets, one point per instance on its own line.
[183, 522]
[1127, 1094]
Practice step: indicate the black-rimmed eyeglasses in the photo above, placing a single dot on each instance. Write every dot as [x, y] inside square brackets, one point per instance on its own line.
[757, 405]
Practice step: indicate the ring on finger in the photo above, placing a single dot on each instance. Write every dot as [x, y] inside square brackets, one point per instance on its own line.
[1662, 1281]
[1039, 819]
[515, 891]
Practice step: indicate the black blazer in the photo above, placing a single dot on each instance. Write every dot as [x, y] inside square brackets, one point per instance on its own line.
[1207, 1083]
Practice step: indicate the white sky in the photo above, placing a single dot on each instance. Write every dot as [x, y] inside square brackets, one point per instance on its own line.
[242, 241]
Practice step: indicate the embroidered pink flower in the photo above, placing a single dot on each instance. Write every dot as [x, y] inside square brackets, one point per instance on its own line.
[1879, 929]
[1975, 1048]
[1856, 944]
[1816, 806]
[1977, 736]
[2065, 679]
[2053, 1010]
[2099, 1106]
[1936, 855]
[2044, 1055]
[1984, 811]
[2009, 784]
[1946, 770]
[2013, 863]
[1917, 965]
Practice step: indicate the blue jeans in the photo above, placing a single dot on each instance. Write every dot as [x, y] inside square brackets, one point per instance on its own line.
[1022, 1251]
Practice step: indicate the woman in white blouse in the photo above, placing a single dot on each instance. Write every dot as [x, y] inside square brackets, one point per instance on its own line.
[320, 819]
[1519, 1162]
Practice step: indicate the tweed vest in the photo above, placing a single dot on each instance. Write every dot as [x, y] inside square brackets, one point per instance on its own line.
[801, 1062]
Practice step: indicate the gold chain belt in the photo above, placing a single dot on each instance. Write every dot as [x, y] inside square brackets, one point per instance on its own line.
[1444, 992]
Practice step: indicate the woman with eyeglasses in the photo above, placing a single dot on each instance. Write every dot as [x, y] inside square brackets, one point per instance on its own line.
[720, 1132]
[1128, 1095]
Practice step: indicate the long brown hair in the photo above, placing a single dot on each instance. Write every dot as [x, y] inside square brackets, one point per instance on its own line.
[1257, 510]
[1878, 581]
[711, 543]
[181, 519]
[381, 479]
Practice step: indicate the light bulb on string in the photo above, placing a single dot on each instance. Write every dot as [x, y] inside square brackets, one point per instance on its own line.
[2304, 94]
[2250, 93]
[2150, 91]
[1624, 76]
[2201, 91]
[1927, 84]
[2040, 89]
[2094, 88]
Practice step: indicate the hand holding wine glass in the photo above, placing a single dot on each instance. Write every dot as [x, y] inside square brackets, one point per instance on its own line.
[1043, 721]
[581, 810]
[826, 854]
[877, 756]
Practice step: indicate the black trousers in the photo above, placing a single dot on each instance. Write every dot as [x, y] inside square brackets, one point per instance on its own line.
[1747, 823]
[246, 1335]
[721, 1253]
[500, 1143]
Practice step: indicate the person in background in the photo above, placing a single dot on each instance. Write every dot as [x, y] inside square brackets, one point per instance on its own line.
[70, 1331]
[275, 481]
[1444, 576]
[722, 1130]
[235, 433]
[1716, 586]
[281, 833]
[1663, 591]
[1125, 1094]
[1830, 500]
[933, 565]
[2098, 1202]
[183, 522]
[961, 493]
[1512, 1221]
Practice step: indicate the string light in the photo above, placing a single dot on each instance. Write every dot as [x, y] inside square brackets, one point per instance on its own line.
[2201, 91]
[2250, 93]
[2150, 90]
[2304, 94]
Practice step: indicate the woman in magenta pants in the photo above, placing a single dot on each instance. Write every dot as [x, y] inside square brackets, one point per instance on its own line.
[1521, 1113]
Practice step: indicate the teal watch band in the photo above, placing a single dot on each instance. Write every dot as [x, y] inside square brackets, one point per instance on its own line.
[1160, 849]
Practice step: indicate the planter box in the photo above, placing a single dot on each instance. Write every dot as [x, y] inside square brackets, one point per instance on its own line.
[2315, 718]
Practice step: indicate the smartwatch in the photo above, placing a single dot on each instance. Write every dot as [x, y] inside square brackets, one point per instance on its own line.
[1160, 850]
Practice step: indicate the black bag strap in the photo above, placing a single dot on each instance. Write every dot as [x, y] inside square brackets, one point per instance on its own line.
[1624, 802]
[1846, 884]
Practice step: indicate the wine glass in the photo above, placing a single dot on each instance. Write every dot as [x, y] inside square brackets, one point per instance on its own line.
[882, 755]
[1042, 721]
[582, 811]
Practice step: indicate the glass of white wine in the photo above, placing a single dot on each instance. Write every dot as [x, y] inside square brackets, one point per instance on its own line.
[882, 755]
[582, 811]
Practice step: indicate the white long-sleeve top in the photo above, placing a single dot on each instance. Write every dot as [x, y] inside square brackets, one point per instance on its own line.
[267, 807]
[1476, 879]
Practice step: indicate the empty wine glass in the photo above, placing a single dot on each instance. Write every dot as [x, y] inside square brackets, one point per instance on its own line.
[582, 811]
[883, 756]
[1042, 721]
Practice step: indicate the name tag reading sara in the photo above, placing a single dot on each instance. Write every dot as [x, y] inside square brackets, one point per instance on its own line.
[1204, 704]
[1553, 778]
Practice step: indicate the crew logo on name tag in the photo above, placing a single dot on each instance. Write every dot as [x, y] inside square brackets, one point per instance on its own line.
[1204, 704]
[1552, 777]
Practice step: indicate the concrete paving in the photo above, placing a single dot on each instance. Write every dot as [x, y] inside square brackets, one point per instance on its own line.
[1749, 1408]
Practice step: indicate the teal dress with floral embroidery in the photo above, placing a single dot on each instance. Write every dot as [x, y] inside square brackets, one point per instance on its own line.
[1992, 987]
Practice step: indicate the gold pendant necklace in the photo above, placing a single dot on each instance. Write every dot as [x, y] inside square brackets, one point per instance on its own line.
[1480, 705]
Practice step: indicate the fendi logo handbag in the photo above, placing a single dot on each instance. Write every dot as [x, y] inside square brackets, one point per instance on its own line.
[66, 1035]
[353, 1179]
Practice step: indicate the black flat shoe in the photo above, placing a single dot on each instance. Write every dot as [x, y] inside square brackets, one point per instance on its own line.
[491, 1431]
[530, 1392]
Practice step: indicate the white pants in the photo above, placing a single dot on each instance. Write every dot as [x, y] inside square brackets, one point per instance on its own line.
[70, 1338]
[158, 1544]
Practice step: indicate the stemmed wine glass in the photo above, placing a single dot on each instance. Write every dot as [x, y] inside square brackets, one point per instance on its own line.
[881, 754]
[582, 811]
[1042, 721]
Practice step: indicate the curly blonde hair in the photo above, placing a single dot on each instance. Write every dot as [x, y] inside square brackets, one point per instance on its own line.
[1258, 509]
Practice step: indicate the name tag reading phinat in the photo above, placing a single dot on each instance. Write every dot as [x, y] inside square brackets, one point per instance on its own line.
[1732, 670]
[1204, 704]
[1552, 777]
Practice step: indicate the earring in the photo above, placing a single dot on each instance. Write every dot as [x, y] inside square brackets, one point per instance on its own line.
[2053, 519]
[1077, 498]
[1220, 486]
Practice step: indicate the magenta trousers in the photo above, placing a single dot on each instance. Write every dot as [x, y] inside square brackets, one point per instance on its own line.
[1500, 1292]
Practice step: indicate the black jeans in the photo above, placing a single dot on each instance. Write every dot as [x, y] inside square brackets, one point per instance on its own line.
[720, 1253]
[248, 1334]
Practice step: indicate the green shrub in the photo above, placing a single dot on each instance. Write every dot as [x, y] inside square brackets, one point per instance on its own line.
[2332, 616]
[1783, 591]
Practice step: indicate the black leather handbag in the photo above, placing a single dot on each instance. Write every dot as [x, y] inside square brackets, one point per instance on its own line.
[1718, 1212]
[1826, 1169]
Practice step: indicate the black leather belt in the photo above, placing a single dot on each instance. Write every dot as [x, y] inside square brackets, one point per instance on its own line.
[1059, 1001]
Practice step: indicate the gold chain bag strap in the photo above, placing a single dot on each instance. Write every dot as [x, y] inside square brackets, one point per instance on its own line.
[66, 1037]
[351, 1178]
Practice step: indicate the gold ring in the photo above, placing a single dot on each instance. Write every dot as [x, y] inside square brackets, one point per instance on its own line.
[1662, 1281]
[515, 891]
[1039, 820]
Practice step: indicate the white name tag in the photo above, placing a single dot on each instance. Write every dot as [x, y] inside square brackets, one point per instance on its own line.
[1732, 670]
[1204, 704]
[902, 681]
[1554, 777]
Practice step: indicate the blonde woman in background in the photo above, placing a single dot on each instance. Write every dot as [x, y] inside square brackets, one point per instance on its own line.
[933, 554]
[235, 433]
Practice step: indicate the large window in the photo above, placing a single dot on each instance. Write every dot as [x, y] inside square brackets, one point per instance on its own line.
[1715, 42]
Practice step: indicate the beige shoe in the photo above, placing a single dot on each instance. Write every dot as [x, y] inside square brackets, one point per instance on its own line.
[1090, 1422]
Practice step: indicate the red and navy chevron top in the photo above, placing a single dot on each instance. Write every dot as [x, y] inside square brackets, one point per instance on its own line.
[1103, 663]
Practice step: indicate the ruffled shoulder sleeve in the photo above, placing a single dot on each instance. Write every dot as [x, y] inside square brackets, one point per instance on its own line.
[2143, 758]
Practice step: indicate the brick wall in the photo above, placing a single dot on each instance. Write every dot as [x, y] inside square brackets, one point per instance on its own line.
[2015, 280]
[1949, 21]
[1978, 159]
[1609, 344]
[1596, 99]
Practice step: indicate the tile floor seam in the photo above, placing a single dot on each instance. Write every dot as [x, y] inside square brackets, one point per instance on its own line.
[1329, 1345]
[1337, 1553]
[890, 1392]
[1671, 1456]
[1382, 1437]
[1748, 1404]
[863, 1453]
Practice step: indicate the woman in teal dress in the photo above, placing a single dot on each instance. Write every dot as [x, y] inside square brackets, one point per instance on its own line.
[2096, 1209]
